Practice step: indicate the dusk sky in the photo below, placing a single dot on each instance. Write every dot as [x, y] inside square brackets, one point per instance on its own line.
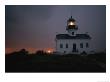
[35, 27]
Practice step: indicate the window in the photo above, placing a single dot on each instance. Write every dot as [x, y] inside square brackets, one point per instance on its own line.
[61, 45]
[81, 45]
[72, 33]
[87, 45]
[66, 45]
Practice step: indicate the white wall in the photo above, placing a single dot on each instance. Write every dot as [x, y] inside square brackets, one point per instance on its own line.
[72, 30]
[70, 45]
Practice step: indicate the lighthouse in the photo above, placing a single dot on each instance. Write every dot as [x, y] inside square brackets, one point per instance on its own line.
[71, 26]
[73, 42]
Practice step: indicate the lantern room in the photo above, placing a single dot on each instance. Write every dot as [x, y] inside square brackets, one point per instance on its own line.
[71, 24]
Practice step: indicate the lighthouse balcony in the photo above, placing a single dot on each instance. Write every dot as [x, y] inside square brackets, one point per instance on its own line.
[75, 27]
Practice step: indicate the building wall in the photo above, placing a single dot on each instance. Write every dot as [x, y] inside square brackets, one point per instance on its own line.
[70, 32]
[70, 45]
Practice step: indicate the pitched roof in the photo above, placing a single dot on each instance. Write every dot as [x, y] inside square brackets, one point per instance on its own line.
[77, 36]
[71, 19]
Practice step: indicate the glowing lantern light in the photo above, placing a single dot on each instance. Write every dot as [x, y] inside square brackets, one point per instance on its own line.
[71, 23]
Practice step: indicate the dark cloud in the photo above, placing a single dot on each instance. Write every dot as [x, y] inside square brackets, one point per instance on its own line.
[25, 21]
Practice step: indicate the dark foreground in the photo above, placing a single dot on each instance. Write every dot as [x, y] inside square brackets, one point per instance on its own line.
[40, 62]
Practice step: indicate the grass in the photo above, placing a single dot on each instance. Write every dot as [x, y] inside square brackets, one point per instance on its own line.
[42, 62]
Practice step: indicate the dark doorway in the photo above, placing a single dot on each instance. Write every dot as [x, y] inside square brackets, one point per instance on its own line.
[74, 47]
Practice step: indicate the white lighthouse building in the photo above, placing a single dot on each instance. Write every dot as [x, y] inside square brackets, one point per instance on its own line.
[72, 43]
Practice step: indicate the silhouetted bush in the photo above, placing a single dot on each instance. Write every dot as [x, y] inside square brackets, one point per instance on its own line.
[23, 52]
[40, 52]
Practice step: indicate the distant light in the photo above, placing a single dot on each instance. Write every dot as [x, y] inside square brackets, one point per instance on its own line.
[48, 51]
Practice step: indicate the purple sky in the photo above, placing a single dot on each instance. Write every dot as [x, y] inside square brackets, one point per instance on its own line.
[35, 27]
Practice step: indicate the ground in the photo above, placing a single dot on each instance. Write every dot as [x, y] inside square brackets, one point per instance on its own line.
[43, 62]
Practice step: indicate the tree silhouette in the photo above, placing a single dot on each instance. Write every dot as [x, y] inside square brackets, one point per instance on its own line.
[23, 52]
[40, 52]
